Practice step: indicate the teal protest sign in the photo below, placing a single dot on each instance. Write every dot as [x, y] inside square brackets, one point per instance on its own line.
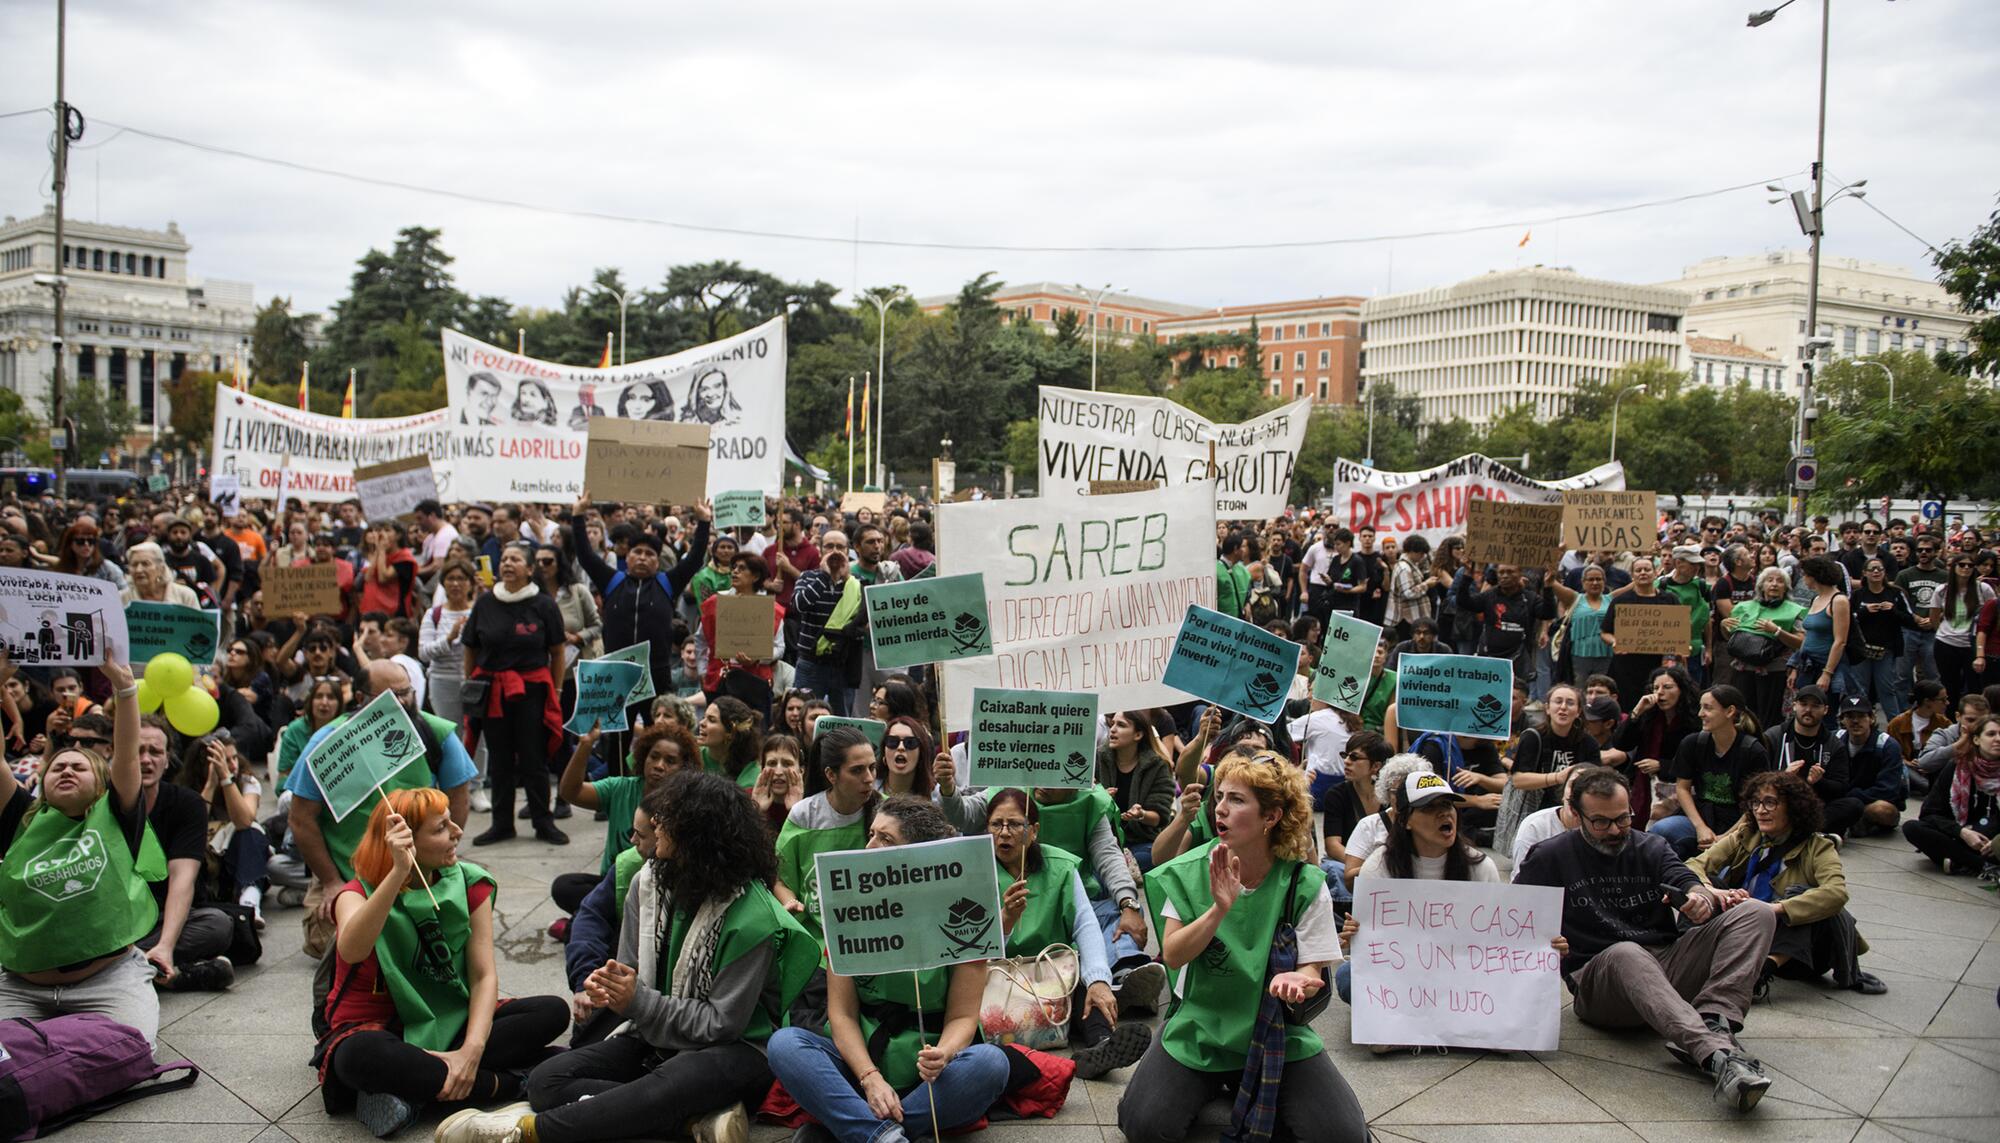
[1341, 679]
[1233, 664]
[157, 482]
[910, 907]
[1032, 738]
[873, 728]
[935, 620]
[642, 654]
[743, 508]
[158, 627]
[603, 689]
[362, 753]
[1456, 694]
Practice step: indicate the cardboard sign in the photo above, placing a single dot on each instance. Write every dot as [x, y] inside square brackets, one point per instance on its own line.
[740, 508]
[935, 620]
[362, 753]
[743, 626]
[1032, 738]
[642, 654]
[48, 619]
[1341, 678]
[1659, 629]
[1457, 964]
[157, 482]
[603, 691]
[225, 491]
[649, 462]
[1609, 521]
[1457, 694]
[873, 728]
[876, 502]
[311, 588]
[393, 490]
[910, 907]
[1510, 532]
[159, 627]
[1114, 487]
[1233, 664]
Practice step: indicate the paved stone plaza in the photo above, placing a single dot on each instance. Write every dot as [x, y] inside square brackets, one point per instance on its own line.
[1920, 1063]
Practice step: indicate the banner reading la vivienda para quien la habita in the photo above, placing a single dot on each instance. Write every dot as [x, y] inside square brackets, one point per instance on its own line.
[254, 440]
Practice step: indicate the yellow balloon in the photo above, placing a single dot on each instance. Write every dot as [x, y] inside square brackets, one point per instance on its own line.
[193, 711]
[169, 673]
[149, 699]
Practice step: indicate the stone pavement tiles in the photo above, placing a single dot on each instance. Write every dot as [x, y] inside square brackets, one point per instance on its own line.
[1920, 1063]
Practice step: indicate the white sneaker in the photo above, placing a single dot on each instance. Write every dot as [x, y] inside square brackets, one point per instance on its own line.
[728, 1125]
[475, 1126]
[482, 802]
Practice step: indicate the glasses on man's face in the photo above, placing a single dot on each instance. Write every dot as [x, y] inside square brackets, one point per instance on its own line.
[900, 742]
[92, 743]
[1601, 823]
[1007, 826]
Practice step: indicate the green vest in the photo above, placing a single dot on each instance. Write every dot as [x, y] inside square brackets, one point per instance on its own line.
[344, 836]
[1068, 826]
[623, 869]
[71, 890]
[845, 613]
[892, 999]
[1213, 1017]
[619, 797]
[1381, 692]
[1694, 596]
[1045, 919]
[752, 920]
[713, 765]
[798, 857]
[421, 954]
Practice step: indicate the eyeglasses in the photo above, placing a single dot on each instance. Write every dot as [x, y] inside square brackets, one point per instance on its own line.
[1619, 822]
[90, 743]
[1007, 827]
[83, 539]
[900, 742]
[1871, 531]
[1766, 804]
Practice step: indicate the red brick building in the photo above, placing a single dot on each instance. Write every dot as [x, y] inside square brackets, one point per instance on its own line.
[1309, 348]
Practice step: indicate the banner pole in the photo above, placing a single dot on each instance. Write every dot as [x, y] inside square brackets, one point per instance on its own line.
[930, 1088]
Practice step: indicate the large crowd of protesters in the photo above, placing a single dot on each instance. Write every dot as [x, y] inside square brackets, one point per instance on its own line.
[1692, 807]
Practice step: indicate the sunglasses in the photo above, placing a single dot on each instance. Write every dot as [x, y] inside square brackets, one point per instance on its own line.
[900, 742]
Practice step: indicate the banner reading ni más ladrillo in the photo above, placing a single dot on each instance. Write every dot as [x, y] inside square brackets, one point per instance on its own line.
[519, 425]
[1114, 436]
[253, 439]
[1083, 593]
[1431, 503]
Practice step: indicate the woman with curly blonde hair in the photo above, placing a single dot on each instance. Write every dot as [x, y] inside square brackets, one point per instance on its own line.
[1247, 930]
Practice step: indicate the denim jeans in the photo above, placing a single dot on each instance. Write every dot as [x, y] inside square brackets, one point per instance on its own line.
[1885, 680]
[1117, 945]
[1678, 831]
[814, 1074]
[1336, 881]
[1920, 652]
[1343, 981]
[827, 680]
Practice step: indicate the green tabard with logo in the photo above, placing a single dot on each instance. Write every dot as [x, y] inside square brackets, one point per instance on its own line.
[798, 854]
[893, 995]
[421, 953]
[1045, 919]
[71, 890]
[1068, 826]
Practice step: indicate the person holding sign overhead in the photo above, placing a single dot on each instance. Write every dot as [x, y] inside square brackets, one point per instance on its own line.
[1247, 930]
[901, 1057]
[514, 642]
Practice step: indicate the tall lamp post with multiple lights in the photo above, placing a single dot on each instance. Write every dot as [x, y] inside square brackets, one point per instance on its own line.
[624, 299]
[883, 297]
[1096, 304]
[1622, 394]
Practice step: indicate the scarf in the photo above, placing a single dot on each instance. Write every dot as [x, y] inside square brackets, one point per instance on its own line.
[528, 590]
[1975, 769]
[694, 970]
[1256, 1109]
[1766, 861]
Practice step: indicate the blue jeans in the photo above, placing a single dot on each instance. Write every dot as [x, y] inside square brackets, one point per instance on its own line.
[1336, 881]
[1143, 854]
[1343, 976]
[1678, 831]
[1920, 652]
[814, 1074]
[827, 680]
[1885, 680]
[1117, 946]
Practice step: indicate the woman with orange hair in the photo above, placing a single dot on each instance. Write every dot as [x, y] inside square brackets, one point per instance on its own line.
[415, 1015]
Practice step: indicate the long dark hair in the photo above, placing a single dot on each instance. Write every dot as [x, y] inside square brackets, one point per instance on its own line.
[1686, 714]
[1972, 582]
[746, 737]
[720, 842]
[920, 779]
[1730, 698]
[829, 752]
[1399, 847]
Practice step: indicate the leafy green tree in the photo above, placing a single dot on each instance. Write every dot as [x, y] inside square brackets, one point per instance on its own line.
[278, 342]
[191, 406]
[1970, 271]
[102, 421]
[1938, 439]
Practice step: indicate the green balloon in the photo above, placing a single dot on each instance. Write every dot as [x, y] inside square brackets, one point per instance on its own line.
[149, 699]
[193, 711]
[170, 674]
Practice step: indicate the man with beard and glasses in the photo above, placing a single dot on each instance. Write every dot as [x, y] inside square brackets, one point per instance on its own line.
[1628, 964]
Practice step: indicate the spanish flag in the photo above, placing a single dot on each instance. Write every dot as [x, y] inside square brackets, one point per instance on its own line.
[605, 361]
[305, 372]
[347, 402]
[865, 380]
[850, 409]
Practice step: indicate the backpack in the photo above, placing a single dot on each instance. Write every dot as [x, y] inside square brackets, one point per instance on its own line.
[66, 1069]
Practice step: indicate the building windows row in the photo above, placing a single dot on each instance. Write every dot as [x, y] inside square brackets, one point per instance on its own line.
[113, 262]
[19, 258]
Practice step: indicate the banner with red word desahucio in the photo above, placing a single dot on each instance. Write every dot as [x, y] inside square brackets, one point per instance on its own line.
[1431, 503]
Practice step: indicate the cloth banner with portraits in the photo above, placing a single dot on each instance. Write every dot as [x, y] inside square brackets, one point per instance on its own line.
[519, 425]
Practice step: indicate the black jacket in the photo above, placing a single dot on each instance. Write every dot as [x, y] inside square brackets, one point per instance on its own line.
[637, 610]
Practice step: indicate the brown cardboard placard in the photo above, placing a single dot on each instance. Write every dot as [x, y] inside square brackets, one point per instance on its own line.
[1114, 487]
[1610, 521]
[311, 588]
[1509, 532]
[1658, 630]
[743, 626]
[650, 462]
[876, 502]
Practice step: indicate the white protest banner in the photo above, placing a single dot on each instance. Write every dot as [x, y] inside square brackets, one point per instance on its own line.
[1457, 964]
[254, 436]
[519, 425]
[1431, 503]
[48, 619]
[393, 490]
[1083, 593]
[1091, 438]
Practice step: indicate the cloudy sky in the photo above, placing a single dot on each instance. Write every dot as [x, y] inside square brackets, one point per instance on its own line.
[1022, 124]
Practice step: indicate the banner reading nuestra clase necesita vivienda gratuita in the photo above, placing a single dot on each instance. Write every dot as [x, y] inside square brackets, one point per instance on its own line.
[518, 425]
[1115, 436]
[1431, 503]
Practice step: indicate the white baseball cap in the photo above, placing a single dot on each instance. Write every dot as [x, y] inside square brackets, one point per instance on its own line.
[1425, 786]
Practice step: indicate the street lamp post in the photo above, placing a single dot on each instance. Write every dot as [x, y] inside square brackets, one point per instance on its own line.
[623, 300]
[883, 299]
[1892, 378]
[1096, 304]
[1369, 453]
[1622, 394]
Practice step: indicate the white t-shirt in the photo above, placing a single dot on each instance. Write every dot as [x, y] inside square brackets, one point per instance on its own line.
[1319, 933]
[1316, 561]
[1368, 833]
[1486, 872]
[1323, 735]
[756, 545]
[438, 544]
[1536, 827]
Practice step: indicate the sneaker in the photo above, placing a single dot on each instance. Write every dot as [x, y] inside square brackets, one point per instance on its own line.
[561, 811]
[475, 1126]
[211, 975]
[1868, 984]
[496, 834]
[550, 834]
[559, 929]
[1739, 1080]
[482, 802]
[383, 1114]
[727, 1125]
[1122, 1048]
[1760, 990]
[1139, 989]
[1383, 1049]
[290, 897]
[1990, 875]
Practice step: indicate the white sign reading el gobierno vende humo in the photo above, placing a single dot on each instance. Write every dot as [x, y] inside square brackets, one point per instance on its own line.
[519, 426]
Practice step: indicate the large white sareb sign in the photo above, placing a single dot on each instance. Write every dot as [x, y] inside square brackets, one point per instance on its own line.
[1113, 436]
[1084, 593]
[1431, 503]
[519, 425]
[254, 438]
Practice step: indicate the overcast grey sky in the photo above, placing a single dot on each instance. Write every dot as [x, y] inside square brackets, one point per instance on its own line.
[1027, 123]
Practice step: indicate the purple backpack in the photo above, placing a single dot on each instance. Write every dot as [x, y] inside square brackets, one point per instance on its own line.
[66, 1069]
